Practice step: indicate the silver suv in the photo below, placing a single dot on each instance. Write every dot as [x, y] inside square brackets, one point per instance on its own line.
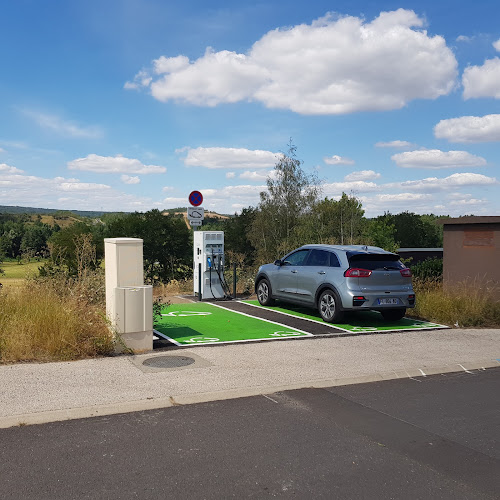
[335, 279]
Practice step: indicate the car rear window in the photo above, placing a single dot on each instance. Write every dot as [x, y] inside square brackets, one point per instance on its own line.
[375, 261]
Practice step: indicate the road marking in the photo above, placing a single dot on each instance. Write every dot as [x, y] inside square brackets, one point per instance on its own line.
[422, 372]
[273, 400]
[464, 369]
[261, 319]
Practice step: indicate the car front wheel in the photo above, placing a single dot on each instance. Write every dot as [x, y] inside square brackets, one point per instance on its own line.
[393, 314]
[328, 307]
[264, 293]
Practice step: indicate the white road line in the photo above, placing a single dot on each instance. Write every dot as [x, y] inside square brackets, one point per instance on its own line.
[464, 369]
[324, 323]
[273, 400]
[422, 372]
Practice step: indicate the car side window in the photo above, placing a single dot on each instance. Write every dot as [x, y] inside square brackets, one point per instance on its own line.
[334, 260]
[296, 259]
[319, 258]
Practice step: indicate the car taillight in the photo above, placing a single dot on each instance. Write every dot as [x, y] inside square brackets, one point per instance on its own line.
[357, 273]
[406, 273]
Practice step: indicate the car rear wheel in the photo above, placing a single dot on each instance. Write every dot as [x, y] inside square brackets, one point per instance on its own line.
[328, 307]
[393, 314]
[264, 293]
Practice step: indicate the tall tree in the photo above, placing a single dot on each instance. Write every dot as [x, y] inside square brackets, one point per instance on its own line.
[290, 194]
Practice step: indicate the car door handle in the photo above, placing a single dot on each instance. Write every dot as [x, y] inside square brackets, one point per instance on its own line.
[321, 272]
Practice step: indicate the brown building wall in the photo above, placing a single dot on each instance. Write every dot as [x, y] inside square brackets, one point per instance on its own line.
[471, 253]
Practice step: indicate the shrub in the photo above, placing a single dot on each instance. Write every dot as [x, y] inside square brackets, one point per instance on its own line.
[428, 269]
[38, 323]
[466, 304]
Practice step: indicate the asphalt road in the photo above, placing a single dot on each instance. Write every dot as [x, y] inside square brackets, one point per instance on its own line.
[431, 438]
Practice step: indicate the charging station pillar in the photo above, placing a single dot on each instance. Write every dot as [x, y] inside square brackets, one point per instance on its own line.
[208, 260]
[129, 303]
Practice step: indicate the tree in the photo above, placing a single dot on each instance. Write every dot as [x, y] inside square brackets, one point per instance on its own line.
[414, 231]
[290, 194]
[64, 248]
[340, 222]
[381, 234]
[167, 244]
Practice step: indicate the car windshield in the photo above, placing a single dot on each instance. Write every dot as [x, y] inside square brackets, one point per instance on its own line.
[375, 261]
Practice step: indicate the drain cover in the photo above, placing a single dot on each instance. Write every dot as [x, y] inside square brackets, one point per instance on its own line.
[168, 361]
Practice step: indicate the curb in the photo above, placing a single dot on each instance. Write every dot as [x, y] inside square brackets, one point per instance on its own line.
[205, 397]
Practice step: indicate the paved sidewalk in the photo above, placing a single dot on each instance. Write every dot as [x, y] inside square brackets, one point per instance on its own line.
[36, 393]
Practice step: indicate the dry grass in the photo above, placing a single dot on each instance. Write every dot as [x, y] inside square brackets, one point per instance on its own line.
[38, 323]
[467, 304]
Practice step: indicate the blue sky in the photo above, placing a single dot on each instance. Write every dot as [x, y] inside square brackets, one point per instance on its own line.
[131, 105]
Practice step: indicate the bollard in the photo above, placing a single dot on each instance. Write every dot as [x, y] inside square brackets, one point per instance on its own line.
[234, 280]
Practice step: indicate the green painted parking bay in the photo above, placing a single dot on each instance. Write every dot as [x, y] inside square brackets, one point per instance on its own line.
[204, 323]
[358, 322]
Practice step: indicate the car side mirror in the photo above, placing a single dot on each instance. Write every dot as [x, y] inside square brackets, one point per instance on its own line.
[278, 262]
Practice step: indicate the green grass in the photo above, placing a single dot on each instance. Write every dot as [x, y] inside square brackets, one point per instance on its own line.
[205, 323]
[15, 273]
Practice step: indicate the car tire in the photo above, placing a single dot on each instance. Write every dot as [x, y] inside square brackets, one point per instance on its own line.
[264, 293]
[328, 307]
[393, 314]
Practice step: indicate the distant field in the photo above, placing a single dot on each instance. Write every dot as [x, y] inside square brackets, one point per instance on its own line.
[16, 273]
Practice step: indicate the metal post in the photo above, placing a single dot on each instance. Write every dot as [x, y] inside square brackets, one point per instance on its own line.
[199, 281]
[234, 280]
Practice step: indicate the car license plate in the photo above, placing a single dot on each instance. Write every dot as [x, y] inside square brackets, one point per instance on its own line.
[391, 302]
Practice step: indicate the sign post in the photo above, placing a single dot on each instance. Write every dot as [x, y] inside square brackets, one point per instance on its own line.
[195, 213]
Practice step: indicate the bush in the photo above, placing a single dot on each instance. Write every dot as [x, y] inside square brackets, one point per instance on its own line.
[428, 269]
[39, 322]
[467, 304]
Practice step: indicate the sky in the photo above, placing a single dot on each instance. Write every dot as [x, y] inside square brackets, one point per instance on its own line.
[129, 105]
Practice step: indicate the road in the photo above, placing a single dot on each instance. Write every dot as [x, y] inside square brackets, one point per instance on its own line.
[434, 437]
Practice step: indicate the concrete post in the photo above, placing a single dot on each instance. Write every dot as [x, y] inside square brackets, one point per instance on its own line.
[129, 303]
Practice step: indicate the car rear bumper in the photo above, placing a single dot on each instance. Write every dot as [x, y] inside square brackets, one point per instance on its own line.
[380, 301]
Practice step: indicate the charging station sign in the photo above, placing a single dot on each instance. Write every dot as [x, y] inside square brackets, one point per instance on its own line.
[196, 215]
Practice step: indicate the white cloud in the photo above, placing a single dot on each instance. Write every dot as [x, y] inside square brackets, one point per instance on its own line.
[230, 175]
[496, 45]
[436, 159]
[235, 158]
[2, 150]
[142, 79]
[257, 176]
[465, 179]
[127, 179]
[346, 65]
[394, 144]
[469, 129]
[63, 127]
[173, 202]
[464, 38]
[167, 188]
[402, 197]
[362, 175]
[7, 169]
[336, 188]
[338, 160]
[468, 202]
[482, 81]
[113, 165]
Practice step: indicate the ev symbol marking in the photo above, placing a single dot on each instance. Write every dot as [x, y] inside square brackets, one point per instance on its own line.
[195, 198]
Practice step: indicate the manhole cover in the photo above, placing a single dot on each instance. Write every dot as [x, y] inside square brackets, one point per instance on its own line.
[168, 361]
